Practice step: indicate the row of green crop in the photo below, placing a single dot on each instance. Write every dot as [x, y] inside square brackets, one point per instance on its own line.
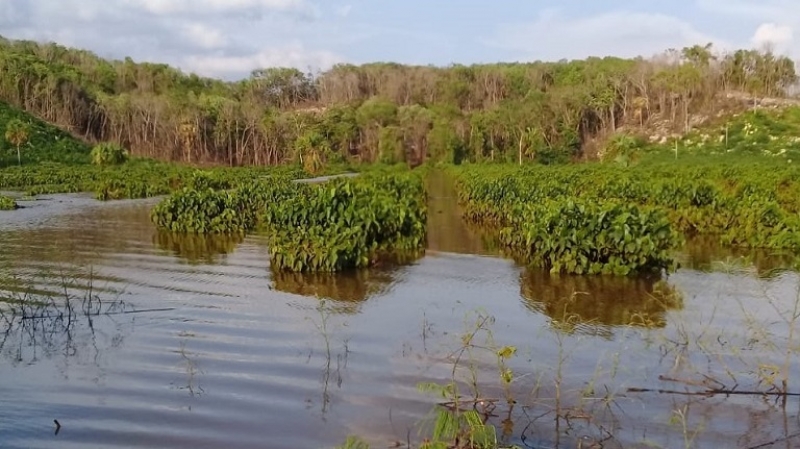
[135, 179]
[339, 224]
[602, 218]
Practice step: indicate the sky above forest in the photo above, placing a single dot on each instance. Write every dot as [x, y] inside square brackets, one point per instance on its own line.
[229, 38]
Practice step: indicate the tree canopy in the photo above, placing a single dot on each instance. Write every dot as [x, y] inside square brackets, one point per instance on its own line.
[542, 111]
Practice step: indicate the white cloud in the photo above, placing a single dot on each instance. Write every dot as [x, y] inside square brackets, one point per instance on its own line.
[295, 55]
[205, 36]
[217, 6]
[761, 10]
[775, 23]
[622, 33]
[209, 36]
[772, 34]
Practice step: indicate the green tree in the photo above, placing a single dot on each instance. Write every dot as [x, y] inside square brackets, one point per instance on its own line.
[17, 134]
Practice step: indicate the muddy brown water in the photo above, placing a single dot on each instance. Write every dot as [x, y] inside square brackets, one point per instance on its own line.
[204, 347]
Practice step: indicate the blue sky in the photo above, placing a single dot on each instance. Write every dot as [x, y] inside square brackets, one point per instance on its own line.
[228, 38]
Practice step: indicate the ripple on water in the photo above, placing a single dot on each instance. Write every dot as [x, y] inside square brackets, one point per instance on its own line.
[225, 353]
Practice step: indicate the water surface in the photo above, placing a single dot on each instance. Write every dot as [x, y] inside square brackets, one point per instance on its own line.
[200, 345]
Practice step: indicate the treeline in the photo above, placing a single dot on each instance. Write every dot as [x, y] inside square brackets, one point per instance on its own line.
[376, 112]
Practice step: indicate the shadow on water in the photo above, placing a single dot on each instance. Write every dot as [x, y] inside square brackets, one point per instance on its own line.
[593, 304]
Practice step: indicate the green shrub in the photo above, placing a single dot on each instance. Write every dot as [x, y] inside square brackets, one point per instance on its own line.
[109, 154]
[7, 203]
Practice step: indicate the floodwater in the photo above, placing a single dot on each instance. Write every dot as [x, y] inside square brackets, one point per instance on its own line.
[197, 344]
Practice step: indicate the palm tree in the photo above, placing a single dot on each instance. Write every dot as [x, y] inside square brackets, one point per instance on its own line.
[17, 133]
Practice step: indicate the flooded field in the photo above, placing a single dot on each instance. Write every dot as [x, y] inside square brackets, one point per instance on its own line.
[198, 344]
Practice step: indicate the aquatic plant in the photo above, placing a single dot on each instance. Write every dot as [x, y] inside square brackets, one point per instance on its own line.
[735, 200]
[209, 211]
[347, 223]
[7, 203]
[138, 178]
[585, 237]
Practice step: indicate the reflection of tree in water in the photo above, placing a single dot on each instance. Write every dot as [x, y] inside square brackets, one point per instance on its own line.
[593, 303]
[708, 254]
[348, 288]
[197, 249]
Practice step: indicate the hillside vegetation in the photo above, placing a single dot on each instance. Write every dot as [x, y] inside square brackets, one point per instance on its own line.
[385, 112]
[45, 142]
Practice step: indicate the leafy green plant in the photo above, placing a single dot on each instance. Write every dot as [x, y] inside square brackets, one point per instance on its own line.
[138, 178]
[109, 154]
[353, 442]
[209, 211]
[347, 223]
[7, 203]
[608, 218]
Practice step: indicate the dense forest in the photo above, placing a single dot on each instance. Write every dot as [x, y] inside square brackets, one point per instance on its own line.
[543, 111]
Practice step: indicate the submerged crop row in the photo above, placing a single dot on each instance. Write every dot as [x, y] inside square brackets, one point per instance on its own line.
[611, 219]
[340, 224]
[135, 179]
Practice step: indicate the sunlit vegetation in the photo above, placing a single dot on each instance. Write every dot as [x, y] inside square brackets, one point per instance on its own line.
[613, 219]
[17, 134]
[348, 223]
[761, 132]
[339, 224]
[139, 178]
[205, 207]
[512, 112]
[7, 203]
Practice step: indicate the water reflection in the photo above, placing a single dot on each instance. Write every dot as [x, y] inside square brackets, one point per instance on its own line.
[197, 249]
[35, 327]
[348, 289]
[592, 304]
[707, 254]
[447, 231]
